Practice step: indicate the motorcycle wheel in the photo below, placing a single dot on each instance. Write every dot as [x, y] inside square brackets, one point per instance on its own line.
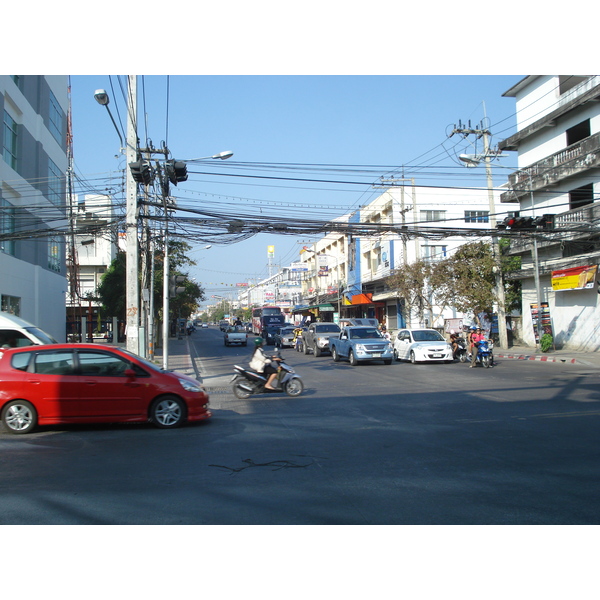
[239, 391]
[462, 357]
[294, 387]
[485, 361]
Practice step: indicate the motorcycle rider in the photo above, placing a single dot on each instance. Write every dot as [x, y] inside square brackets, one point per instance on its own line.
[262, 363]
[476, 337]
[453, 342]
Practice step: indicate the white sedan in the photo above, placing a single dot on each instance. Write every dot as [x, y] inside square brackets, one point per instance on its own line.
[418, 345]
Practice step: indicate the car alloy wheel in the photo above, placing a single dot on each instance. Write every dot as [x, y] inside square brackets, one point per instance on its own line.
[335, 355]
[413, 358]
[19, 416]
[168, 412]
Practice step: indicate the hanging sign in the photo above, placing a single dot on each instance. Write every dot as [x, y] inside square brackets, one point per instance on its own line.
[577, 278]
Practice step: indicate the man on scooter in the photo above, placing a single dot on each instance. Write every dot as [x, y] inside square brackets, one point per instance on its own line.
[476, 337]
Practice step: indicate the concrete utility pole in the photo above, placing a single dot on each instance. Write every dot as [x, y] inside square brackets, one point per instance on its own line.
[499, 282]
[132, 294]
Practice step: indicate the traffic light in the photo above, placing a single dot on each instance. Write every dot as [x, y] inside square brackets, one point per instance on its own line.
[174, 289]
[517, 223]
[176, 171]
[142, 172]
[544, 222]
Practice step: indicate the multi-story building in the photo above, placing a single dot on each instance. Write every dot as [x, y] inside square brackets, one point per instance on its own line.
[358, 266]
[558, 145]
[32, 199]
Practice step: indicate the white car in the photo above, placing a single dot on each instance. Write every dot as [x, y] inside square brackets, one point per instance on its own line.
[419, 345]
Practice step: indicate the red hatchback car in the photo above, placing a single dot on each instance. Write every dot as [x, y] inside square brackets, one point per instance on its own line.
[92, 383]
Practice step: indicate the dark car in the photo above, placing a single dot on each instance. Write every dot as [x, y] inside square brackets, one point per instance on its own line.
[92, 383]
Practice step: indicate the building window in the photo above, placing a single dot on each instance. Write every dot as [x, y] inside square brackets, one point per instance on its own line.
[9, 141]
[434, 252]
[477, 216]
[581, 196]
[7, 226]
[578, 132]
[54, 254]
[433, 215]
[55, 184]
[56, 119]
[11, 305]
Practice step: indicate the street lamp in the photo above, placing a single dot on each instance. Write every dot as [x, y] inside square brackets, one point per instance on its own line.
[165, 361]
[132, 294]
[222, 155]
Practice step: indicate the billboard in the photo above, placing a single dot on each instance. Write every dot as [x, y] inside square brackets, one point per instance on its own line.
[576, 278]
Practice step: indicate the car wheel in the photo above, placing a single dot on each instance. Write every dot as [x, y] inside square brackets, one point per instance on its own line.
[335, 355]
[413, 358]
[387, 362]
[239, 391]
[317, 350]
[352, 358]
[168, 412]
[396, 357]
[19, 416]
[294, 387]
[305, 348]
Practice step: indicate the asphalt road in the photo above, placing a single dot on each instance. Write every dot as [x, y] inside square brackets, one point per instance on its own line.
[373, 444]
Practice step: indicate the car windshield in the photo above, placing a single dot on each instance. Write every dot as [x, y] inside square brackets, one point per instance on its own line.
[332, 328]
[41, 335]
[367, 332]
[427, 336]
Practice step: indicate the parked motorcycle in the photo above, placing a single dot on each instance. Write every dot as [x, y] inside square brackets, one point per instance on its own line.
[461, 350]
[485, 354]
[247, 382]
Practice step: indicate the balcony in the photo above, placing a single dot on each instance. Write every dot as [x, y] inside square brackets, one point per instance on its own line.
[571, 161]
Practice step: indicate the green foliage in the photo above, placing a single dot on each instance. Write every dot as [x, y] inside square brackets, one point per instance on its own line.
[111, 290]
[546, 342]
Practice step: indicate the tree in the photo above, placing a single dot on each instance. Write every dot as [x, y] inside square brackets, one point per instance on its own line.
[112, 288]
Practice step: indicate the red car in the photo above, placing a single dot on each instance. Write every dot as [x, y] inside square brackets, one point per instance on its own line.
[92, 383]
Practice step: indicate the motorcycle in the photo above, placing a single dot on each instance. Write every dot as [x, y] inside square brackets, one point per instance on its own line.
[247, 382]
[485, 355]
[461, 350]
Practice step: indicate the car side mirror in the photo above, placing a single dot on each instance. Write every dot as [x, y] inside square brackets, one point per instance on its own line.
[129, 373]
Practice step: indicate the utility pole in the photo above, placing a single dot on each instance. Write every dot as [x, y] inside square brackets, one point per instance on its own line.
[132, 294]
[499, 282]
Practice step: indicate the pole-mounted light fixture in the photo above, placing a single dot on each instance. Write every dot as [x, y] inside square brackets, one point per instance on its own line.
[102, 98]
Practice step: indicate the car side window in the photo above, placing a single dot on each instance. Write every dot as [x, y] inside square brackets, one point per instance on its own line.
[11, 338]
[105, 364]
[54, 363]
[21, 360]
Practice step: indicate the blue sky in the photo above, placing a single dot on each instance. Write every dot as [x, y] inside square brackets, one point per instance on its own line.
[387, 122]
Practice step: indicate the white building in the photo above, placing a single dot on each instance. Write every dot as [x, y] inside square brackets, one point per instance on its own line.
[558, 145]
[33, 199]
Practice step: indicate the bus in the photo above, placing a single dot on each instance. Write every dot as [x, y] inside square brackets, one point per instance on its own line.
[266, 318]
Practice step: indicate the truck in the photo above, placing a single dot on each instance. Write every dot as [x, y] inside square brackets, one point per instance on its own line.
[235, 334]
[316, 338]
[359, 344]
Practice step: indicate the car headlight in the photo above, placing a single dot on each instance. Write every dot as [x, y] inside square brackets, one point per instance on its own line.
[190, 386]
[360, 348]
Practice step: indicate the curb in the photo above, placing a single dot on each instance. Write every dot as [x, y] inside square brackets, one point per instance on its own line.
[552, 359]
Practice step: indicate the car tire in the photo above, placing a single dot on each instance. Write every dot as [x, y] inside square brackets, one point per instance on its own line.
[19, 417]
[317, 351]
[352, 358]
[168, 412]
[413, 358]
[294, 387]
[335, 355]
[396, 357]
[305, 349]
[387, 362]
